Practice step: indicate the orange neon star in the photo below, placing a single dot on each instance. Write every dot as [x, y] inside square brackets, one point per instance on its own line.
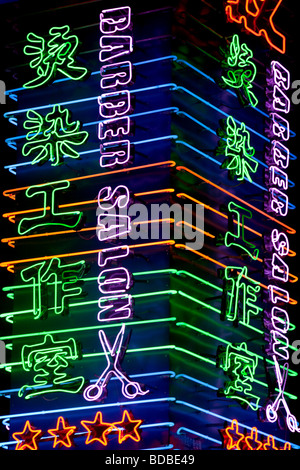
[232, 437]
[128, 427]
[97, 429]
[252, 442]
[270, 444]
[287, 446]
[62, 433]
[28, 438]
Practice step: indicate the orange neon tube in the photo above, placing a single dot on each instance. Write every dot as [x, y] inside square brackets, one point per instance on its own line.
[208, 258]
[11, 192]
[225, 216]
[8, 264]
[11, 215]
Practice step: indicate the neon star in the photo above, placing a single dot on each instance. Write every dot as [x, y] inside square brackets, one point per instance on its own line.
[62, 433]
[270, 444]
[128, 427]
[232, 437]
[28, 438]
[252, 442]
[97, 429]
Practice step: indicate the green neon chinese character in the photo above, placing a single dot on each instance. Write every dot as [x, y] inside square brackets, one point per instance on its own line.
[239, 365]
[240, 295]
[235, 145]
[52, 56]
[49, 361]
[241, 71]
[53, 285]
[235, 236]
[50, 216]
[52, 137]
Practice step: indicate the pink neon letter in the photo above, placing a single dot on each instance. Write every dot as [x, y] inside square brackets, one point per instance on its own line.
[281, 75]
[116, 74]
[119, 197]
[112, 253]
[115, 19]
[112, 47]
[112, 226]
[117, 307]
[280, 242]
[114, 280]
[115, 153]
[113, 128]
[114, 104]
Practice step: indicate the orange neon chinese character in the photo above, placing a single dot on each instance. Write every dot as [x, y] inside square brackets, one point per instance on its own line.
[257, 18]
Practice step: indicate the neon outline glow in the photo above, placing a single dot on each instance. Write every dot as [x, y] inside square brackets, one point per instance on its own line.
[237, 440]
[44, 53]
[248, 19]
[241, 371]
[52, 136]
[241, 71]
[42, 273]
[28, 432]
[49, 198]
[112, 354]
[63, 433]
[240, 213]
[34, 357]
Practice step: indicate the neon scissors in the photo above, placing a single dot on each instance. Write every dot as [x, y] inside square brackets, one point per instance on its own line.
[271, 410]
[112, 354]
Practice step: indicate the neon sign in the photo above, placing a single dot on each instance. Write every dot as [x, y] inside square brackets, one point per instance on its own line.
[239, 364]
[63, 434]
[234, 439]
[52, 136]
[50, 362]
[241, 71]
[235, 236]
[50, 215]
[114, 283]
[53, 277]
[240, 297]
[257, 17]
[276, 318]
[130, 389]
[235, 145]
[28, 438]
[52, 56]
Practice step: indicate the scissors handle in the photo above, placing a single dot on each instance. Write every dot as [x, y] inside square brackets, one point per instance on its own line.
[135, 385]
[93, 392]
